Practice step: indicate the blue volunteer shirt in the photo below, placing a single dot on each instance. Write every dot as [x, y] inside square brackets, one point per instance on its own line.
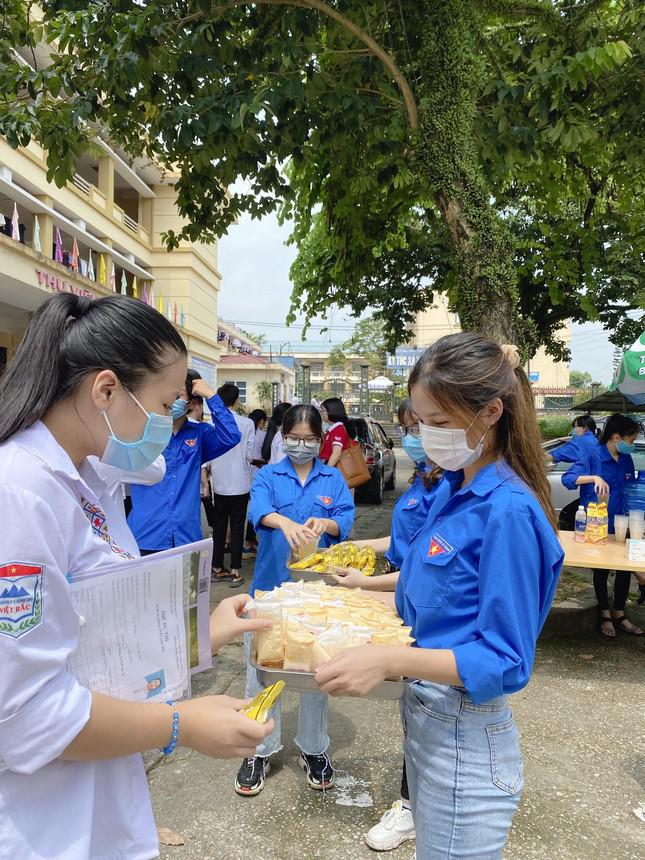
[168, 514]
[409, 514]
[617, 473]
[277, 489]
[480, 577]
[575, 448]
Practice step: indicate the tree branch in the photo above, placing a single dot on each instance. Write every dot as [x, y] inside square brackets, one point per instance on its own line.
[380, 53]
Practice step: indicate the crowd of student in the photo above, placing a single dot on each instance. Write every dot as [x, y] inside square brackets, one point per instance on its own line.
[99, 386]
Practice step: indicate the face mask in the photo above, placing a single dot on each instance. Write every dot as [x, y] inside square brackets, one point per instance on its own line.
[300, 455]
[573, 433]
[134, 456]
[413, 447]
[625, 448]
[179, 408]
[448, 448]
[326, 425]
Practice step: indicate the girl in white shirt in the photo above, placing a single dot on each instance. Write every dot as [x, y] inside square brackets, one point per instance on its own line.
[90, 379]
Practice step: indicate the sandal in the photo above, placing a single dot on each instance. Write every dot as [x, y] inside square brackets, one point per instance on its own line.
[606, 619]
[223, 575]
[619, 624]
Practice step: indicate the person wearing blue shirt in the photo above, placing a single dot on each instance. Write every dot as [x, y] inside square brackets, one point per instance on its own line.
[606, 470]
[476, 586]
[293, 503]
[169, 513]
[583, 441]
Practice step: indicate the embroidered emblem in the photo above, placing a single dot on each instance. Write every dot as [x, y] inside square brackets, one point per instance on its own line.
[412, 502]
[21, 598]
[98, 522]
[325, 500]
[191, 442]
[438, 546]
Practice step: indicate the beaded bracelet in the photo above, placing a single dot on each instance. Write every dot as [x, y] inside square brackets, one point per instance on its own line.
[172, 746]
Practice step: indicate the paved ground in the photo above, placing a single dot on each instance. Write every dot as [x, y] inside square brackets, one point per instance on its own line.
[583, 739]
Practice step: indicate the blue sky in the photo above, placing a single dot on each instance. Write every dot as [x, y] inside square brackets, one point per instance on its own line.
[255, 262]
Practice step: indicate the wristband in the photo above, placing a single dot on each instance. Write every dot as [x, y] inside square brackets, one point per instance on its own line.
[172, 746]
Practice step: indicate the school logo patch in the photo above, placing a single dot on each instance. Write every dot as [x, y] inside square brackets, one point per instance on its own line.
[191, 442]
[98, 521]
[325, 500]
[21, 598]
[438, 546]
[412, 502]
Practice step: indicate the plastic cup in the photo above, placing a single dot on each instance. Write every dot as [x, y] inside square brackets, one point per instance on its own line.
[636, 529]
[620, 528]
[637, 515]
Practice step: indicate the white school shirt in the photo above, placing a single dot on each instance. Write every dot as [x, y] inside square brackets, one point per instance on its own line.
[231, 472]
[116, 480]
[57, 521]
[277, 448]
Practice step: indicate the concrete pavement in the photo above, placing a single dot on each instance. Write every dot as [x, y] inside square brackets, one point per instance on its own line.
[581, 720]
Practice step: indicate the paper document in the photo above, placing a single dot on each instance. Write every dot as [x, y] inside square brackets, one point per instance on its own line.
[144, 627]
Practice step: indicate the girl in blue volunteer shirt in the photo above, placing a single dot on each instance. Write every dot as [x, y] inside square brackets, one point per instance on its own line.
[606, 469]
[293, 503]
[410, 511]
[583, 441]
[475, 587]
[91, 379]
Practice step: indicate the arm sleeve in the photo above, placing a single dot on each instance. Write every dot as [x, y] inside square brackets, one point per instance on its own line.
[222, 435]
[344, 509]
[518, 573]
[583, 466]
[261, 498]
[569, 452]
[248, 443]
[42, 706]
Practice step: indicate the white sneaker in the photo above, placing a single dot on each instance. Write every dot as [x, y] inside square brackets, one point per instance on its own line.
[395, 827]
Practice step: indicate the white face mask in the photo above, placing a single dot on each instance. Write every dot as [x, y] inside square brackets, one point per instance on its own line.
[449, 448]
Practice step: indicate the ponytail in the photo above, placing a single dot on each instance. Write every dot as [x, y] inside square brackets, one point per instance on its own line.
[70, 336]
[464, 373]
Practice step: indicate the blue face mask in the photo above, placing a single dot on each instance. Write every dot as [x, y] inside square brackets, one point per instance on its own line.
[413, 448]
[134, 456]
[179, 408]
[573, 433]
[625, 448]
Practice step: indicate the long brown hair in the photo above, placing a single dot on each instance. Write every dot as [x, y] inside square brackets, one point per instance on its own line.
[429, 477]
[464, 373]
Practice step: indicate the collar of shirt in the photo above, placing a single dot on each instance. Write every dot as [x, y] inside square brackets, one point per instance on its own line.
[335, 425]
[286, 467]
[606, 456]
[486, 480]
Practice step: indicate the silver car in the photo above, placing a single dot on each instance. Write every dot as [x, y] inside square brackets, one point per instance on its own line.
[560, 496]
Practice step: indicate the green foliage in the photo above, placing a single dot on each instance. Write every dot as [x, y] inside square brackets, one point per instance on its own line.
[264, 392]
[519, 194]
[369, 342]
[554, 426]
[260, 339]
[336, 357]
[579, 379]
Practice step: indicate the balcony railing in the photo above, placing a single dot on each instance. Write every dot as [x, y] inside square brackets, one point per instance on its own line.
[82, 184]
[130, 223]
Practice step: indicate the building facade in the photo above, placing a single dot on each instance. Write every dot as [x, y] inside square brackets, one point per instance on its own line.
[263, 381]
[329, 378]
[100, 233]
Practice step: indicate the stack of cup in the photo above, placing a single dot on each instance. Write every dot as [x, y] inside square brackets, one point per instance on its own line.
[620, 527]
[636, 524]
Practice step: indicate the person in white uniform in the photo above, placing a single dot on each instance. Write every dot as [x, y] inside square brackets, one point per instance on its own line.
[91, 378]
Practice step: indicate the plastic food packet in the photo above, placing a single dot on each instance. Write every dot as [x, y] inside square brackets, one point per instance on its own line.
[269, 645]
[259, 707]
[298, 647]
[333, 640]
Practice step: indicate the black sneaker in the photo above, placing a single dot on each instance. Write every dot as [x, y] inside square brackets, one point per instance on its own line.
[320, 773]
[250, 776]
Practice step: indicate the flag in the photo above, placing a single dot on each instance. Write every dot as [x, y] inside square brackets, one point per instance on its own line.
[102, 270]
[135, 288]
[160, 306]
[174, 313]
[167, 312]
[15, 224]
[74, 260]
[182, 317]
[151, 298]
[36, 242]
[113, 279]
[58, 247]
[90, 266]
[145, 294]
[83, 266]
[124, 283]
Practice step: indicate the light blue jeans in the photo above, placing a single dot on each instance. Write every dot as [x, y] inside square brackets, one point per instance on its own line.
[311, 737]
[464, 771]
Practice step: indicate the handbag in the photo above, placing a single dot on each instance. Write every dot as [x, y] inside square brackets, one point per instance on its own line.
[353, 466]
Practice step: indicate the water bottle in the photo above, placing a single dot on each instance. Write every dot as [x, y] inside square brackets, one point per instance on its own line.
[581, 525]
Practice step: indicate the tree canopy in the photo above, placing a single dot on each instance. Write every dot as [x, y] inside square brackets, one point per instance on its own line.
[486, 149]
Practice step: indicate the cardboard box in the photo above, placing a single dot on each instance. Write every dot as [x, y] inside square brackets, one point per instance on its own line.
[635, 550]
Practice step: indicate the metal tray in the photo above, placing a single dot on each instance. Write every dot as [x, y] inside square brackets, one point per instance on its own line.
[305, 682]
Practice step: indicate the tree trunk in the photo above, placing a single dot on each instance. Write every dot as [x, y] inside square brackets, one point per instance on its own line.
[485, 291]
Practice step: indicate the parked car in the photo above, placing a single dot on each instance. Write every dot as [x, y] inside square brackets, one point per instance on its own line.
[379, 456]
[560, 496]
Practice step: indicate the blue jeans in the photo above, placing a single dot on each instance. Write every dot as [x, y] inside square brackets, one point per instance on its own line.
[464, 771]
[311, 737]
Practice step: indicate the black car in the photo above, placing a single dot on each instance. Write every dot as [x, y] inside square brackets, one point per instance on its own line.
[379, 456]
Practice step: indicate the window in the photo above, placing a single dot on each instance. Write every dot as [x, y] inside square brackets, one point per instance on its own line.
[241, 385]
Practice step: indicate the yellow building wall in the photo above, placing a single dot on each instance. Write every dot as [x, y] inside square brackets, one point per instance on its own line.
[251, 375]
